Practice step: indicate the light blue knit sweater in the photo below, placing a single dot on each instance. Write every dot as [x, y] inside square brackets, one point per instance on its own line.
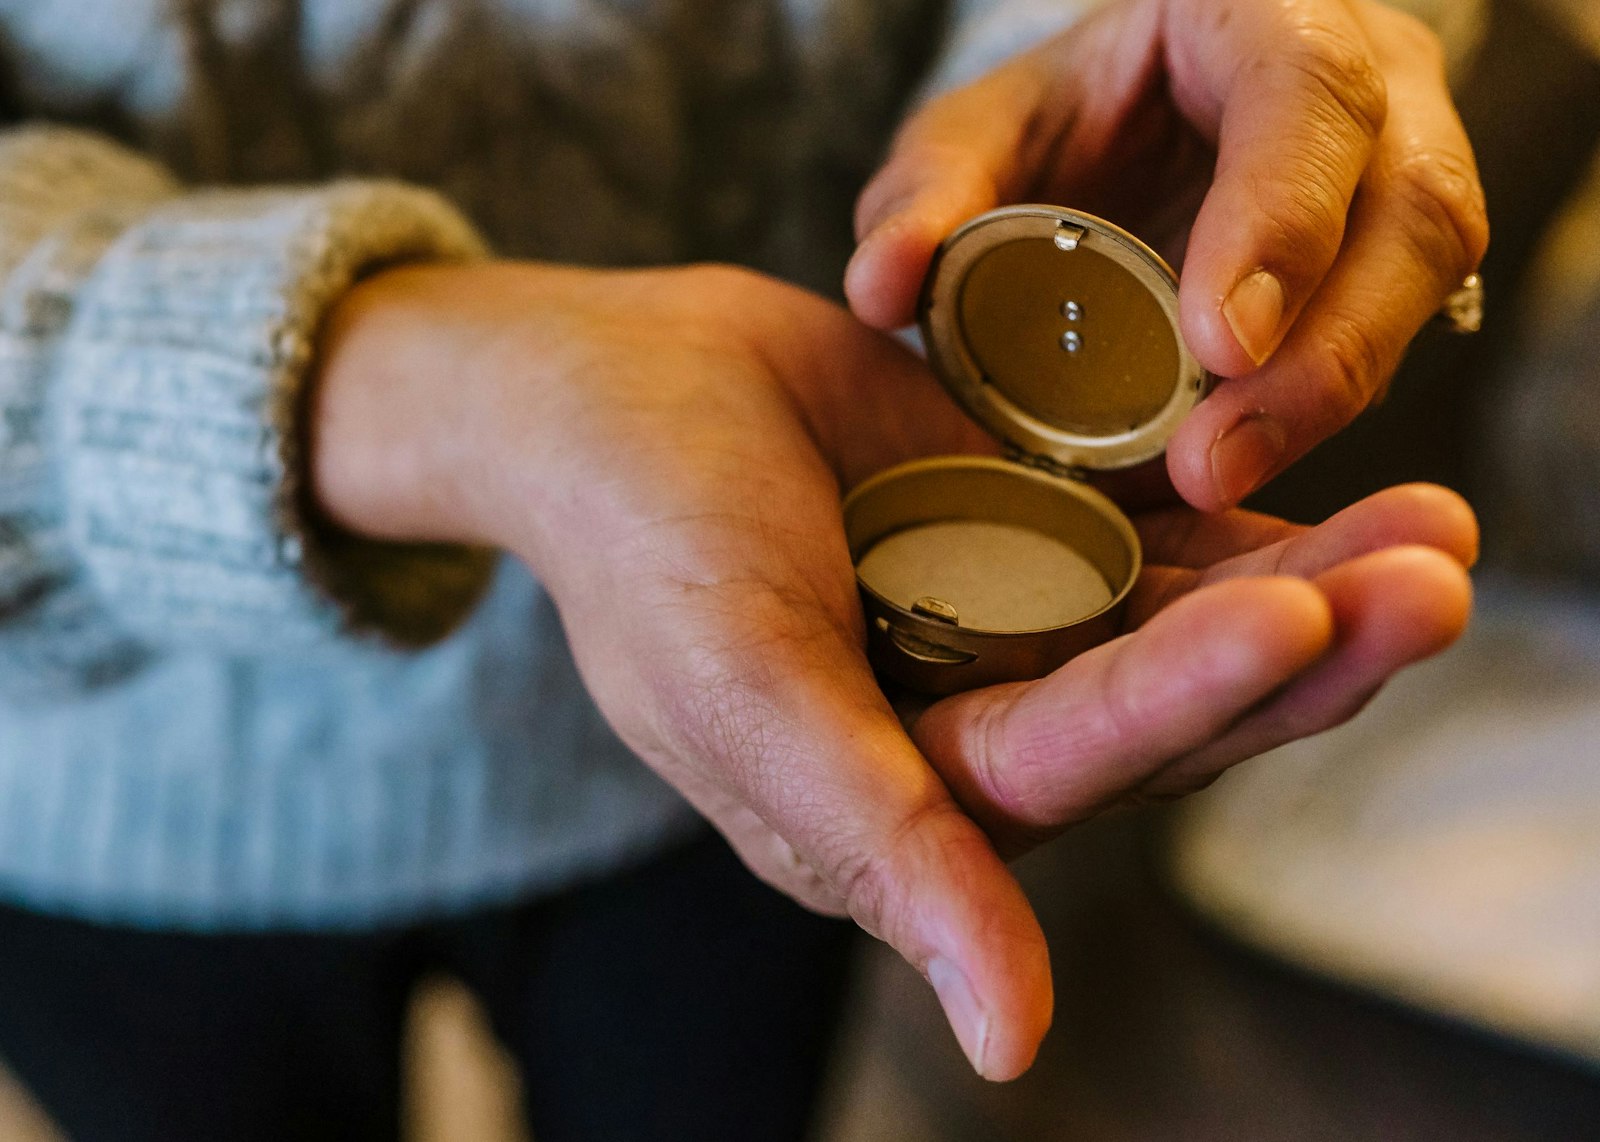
[207, 715]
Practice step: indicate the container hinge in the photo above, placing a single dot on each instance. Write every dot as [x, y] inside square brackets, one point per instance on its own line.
[1046, 464]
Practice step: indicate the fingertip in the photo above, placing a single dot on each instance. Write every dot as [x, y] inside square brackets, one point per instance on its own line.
[1224, 452]
[1407, 515]
[1422, 597]
[942, 897]
[1233, 323]
[1392, 608]
[1021, 1018]
[937, 191]
[1189, 469]
[1010, 1058]
[1440, 592]
[1440, 518]
[884, 277]
[1006, 966]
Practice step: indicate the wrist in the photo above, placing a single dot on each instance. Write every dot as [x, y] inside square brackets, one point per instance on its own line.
[399, 446]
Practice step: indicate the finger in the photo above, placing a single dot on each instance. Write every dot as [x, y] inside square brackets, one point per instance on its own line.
[961, 155]
[1030, 758]
[1298, 104]
[1426, 514]
[1391, 608]
[1208, 549]
[1026, 129]
[1183, 537]
[1417, 228]
[1069, 120]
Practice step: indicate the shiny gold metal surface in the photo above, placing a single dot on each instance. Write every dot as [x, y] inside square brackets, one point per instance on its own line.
[1125, 364]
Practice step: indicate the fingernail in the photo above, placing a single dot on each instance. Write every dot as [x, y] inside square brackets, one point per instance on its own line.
[1254, 311]
[961, 1009]
[1245, 455]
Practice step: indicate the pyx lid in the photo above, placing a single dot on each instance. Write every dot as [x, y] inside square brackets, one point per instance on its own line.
[1058, 332]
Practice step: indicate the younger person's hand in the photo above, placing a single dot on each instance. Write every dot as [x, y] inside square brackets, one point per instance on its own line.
[667, 449]
[1300, 158]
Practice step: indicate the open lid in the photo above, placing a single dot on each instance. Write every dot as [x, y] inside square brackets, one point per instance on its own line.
[1058, 332]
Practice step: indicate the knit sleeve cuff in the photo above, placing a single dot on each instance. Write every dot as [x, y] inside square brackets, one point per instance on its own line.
[179, 399]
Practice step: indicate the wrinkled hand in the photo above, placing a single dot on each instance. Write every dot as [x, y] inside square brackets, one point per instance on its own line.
[1306, 154]
[666, 450]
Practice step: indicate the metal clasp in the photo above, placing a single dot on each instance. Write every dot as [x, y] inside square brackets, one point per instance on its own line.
[1068, 236]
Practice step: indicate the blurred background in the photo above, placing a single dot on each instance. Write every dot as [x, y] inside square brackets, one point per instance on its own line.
[1394, 931]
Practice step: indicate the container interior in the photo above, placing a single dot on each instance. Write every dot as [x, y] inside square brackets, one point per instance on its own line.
[1008, 548]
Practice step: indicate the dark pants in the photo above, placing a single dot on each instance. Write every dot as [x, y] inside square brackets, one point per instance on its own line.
[682, 1000]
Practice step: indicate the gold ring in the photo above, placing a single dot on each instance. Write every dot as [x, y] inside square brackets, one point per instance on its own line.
[1462, 311]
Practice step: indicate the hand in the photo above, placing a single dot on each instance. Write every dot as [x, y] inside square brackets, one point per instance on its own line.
[666, 451]
[1305, 151]
[1250, 633]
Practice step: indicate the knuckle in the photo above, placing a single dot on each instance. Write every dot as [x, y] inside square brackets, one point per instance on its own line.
[708, 292]
[866, 887]
[880, 198]
[1354, 365]
[1124, 719]
[1306, 226]
[870, 882]
[1343, 72]
[1004, 772]
[888, 886]
[1441, 209]
[1046, 777]
[1046, 773]
[731, 304]
[781, 865]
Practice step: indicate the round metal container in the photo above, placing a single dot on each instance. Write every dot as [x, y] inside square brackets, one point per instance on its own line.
[922, 642]
[1058, 332]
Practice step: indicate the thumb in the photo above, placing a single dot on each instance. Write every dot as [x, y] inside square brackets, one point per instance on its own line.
[861, 807]
[963, 154]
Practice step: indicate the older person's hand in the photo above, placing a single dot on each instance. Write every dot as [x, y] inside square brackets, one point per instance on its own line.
[666, 450]
[1306, 154]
